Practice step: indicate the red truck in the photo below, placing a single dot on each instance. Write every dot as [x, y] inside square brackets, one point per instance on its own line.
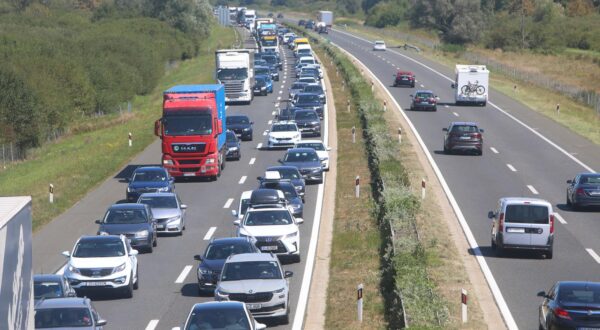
[193, 132]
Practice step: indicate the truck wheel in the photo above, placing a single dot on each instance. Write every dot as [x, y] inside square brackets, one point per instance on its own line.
[549, 253]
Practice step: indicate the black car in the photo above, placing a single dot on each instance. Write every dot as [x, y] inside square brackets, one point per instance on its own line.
[463, 136]
[280, 15]
[262, 85]
[315, 89]
[309, 101]
[271, 60]
[135, 221]
[149, 179]
[241, 125]
[570, 305]
[294, 200]
[308, 122]
[301, 22]
[260, 62]
[233, 146]
[290, 173]
[424, 100]
[307, 161]
[217, 251]
[287, 114]
[48, 286]
[584, 190]
[309, 25]
[297, 87]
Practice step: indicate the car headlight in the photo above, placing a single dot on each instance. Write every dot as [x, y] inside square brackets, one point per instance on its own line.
[204, 271]
[246, 129]
[298, 188]
[74, 270]
[163, 189]
[233, 148]
[143, 233]
[279, 291]
[119, 268]
[263, 87]
[292, 235]
[167, 162]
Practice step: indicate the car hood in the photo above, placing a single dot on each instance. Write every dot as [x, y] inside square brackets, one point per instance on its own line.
[237, 126]
[261, 231]
[110, 262]
[148, 184]
[301, 165]
[259, 285]
[302, 121]
[308, 104]
[116, 229]
[232, 144]
[214, 265]
[283, 134]
[165, 213]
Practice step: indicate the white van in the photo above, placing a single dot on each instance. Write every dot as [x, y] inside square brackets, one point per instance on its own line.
[523, 224]
[303, 50]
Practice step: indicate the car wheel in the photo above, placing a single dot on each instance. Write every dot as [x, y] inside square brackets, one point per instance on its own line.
[568, 200]
[493, 244]
[446, 151]
[434, 108]
[150, 248]
[129, 290]
[155, 242]
[550, 253]
[136, 284]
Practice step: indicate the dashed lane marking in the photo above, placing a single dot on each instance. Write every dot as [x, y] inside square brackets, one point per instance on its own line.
[184, 274]
[532, 189]
[242, 179]
[252, 160]
[152, 325]
[210, 233]
[228, 203]
[510, 167]
[494, 150]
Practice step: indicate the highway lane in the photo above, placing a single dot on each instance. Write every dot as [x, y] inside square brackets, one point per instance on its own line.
[521, 164]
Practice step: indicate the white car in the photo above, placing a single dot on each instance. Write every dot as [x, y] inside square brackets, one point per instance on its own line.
[274, 228]
[320, 148]
[283, 134]
[104, 262]
[244, 203]
[379, 45]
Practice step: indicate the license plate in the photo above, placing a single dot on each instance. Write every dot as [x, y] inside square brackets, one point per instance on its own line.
[515, 230]
[268, 248]
[95, 283]
[189, 174]
[160, 226]
[404, 78]
[254, 306]
[465, 137]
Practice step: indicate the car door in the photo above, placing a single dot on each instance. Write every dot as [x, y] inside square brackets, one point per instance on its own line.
[571, 187]
[132, 259]
[516, 226]
[545, 306]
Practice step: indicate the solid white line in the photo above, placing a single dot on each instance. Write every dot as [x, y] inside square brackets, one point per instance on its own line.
[259, 146]
[494, 150]
[456, 114]
[512, 168]
[210, 233]
[500, 301]
[152, 325]
[176, 328]
[184, 274]
[242, 179]
[532, 189]
[252, 160]
[560, 218]
[594, 255]
[228, 203]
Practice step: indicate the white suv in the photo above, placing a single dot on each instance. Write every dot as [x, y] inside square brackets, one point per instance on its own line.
[283, 134]
[257, 280]
[102, 262]
[274, 228]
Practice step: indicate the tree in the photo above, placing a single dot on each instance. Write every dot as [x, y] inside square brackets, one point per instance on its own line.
[580, 7]
[459, 21]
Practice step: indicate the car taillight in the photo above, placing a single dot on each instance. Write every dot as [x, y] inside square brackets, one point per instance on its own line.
[501, 222]
[431, 100]
[551, 223]
[563, 314]
[476, 135]
[580, 191]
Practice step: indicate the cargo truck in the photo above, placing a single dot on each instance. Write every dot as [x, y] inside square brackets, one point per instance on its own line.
[260, 21]
[234, 71]
[269, 43]
[326, 17]
[249, 17]
[471, 84]
[193, 132]
[16, 288]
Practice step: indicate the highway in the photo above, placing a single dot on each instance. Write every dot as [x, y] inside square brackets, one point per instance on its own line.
[525, 154]
[168, 280]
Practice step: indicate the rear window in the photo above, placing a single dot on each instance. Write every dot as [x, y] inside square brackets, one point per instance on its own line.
[526, 214]
[464, 129]
[582, 294]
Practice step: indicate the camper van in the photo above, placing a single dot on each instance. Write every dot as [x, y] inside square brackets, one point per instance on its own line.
[471, 84]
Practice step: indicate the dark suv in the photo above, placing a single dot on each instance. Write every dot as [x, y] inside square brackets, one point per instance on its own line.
[424, 100]
[404, 78]
[135, 221]
[241, 125]
[309, 101]
[308, 122]
[463, 136]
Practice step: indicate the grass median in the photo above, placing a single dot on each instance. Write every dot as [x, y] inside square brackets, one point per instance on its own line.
[98, 147]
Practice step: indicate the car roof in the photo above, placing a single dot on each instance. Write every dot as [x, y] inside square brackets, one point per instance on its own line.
[246, 257]
[304, 83]
[524, 200]
[423, 91]
[63, 303]
[300, 150]
[285, 122]
[464, 123]
[578, 283]
[98, 238]
[157, 194]
[236, 116]
[282, 167]
[48, 277]
[216, 305]
[149, 168]
[304, 110]
[310, 141]
[246, 194]
[229, 240]
[261, 67]
[125, 206]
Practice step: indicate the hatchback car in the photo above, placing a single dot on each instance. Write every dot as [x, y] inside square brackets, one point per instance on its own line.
[423, 100]
[570, 305]
[48, 286]
[263, 85]
[283, 134]
[308, 122]
[584, 190]
[221, 315]
[379, 45]
[463, 136]
[241, 125]
[308, 80]
[404, 78]
[233, 145]
[135, 221]
[67, 313]
[316, 89]
[149, 179]
[168, 211]
[307, 161]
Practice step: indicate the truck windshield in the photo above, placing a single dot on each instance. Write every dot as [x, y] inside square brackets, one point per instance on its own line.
[192, 124]
[232, 74]
[269, 43]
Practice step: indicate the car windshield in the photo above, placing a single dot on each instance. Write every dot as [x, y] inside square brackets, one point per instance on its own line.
[196, 124]
[423, 95]
[270, 59]
[72, 317]
[262, 70]
[301, 157]
[159, 202]
[231, 137]
[223, 319]
[47, 289]
[303, 115]
[260, 63]
[149, 176]
[284, 128]
[464, 129]
[314, 145]
[251, 270]
[97, 249]
[299, 86]
[580, 293]
[237, 120]
[308, 80]
[223, 251]
[590, 179]
[313, 89]
[288, 190]
[291, 173]
[309, 98]
[526, 214]
[124, 216]
[268, 218]
[232, 74]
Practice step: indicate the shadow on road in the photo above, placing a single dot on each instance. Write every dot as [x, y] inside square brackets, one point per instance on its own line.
[127, 171]
[488, 252]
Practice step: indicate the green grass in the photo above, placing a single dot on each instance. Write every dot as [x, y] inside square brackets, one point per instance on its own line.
[79, 162]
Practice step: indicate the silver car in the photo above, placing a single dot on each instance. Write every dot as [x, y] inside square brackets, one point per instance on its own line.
[257, 280]
[168, 211]
[67, 313]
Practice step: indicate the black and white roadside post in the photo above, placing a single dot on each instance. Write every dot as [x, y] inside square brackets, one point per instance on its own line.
[359, 302]
[372, 86]
[130, 139]
[51, 193]
[353, 134]
[423, 189]
[557, 108]
[343, 86]
[399, 135]
[348, 103]
[357, 187]
[384, 105]
[463, 303]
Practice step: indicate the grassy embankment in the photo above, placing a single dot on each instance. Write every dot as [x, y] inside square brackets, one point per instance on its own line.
[98, 146]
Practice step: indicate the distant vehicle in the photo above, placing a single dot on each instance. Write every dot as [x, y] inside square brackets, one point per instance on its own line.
[307, 161]
[105, 262]
[234, 148]
[262, 85]
[570, 305]
[67, 313]
[280, 15]
[283, 134]
[233, 70]
[215, 254]
[149, 179]
[168, 210]
[308, 122]
[49, 286]
[297, 87]
[260, 62]
[310, 71]
[309, 24]
[309, 101]
[523, 224]
[294, 200]
[316, 89]
[326, 17]
[301, 22]
[379, 45]
[463, 136]
[404, 78]
[241, 125]
[287, 114]
[288, 173]
[271, 60]
[221, 315]
[471, 84]
[136, 221]
[423, 100]
[308, 80]
[584, 190]
[319, 147]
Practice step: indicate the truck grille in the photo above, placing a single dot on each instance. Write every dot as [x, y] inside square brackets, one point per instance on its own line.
[252, 298]
[95, 272]
[188, 161]
[233, 87]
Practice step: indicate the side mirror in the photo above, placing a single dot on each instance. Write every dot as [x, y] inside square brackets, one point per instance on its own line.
[157, 128]
[198, 257]
[101, 323]
[234, 213]
[299, 220]
[569, 181]
[66, 254]
[280, 161]
[98, 221]
[453, 85]
[237, 222]
[541, 294]
[481, 130]
[490, 214]
[183, 206]
[134, 252]
[288, 274]
[445, 129]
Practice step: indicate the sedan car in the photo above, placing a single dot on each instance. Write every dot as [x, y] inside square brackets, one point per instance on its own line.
[423, 100]
[584, 190]
[221, 315]
[168, 211]
[404, 78]
[308, 122]
[319, 147]
[234, 147]
[463, 136]
[316, 89]
[296, 88]
[149, 179]
[67, 313]
[241, 125]
[307, 161]
[135, 221]
[262, 85]
[570, 305]
[379, 45]
[287, 114]
[283, 134]
[309, 101]
[308, 79]
[48, 286]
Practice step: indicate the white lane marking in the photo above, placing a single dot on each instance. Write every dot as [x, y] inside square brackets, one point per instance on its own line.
[270, 122]
[422, 85]
[280, 92]
[283, 83]
[274, 113]
[228, 203]
[456, 114]
[512, 168]
[242, 179]
[560, 218]
[500, 301]
[594, 255]
[532, 189]
[152, 325]
[184, 274]
[259, 146]
[210, 233]
[277, 105]
[176, 328]
[265, 133]
[252, 160]
[494, 150]
[279, 98]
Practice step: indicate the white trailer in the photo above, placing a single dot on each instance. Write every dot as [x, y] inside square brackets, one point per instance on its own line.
[234, 70]
[16, 288]
[326, 17]
[471, 84]
[250, 17]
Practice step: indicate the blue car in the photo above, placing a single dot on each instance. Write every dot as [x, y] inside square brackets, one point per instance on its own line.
[262, 85]
[149, 179]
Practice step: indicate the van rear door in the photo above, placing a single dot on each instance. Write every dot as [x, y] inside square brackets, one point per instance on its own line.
[526, 224]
